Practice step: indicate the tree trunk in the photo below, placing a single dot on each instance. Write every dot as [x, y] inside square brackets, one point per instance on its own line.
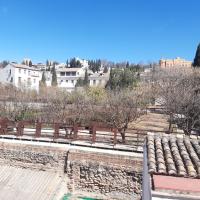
[189, 127]
[122, 132]
[170, 124]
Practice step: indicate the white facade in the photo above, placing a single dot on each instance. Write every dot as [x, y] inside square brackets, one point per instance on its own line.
[25, 77]
[67, 77]
[21, 76]
[98, 79]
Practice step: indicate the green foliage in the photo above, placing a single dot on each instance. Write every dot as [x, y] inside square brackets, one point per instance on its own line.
[26, 115]
[96, 93]
[67, 63]
[43, 80]
[196, 62]
[55, 63]
[105, 70]
[127, 65]
[83, 82]
[4, 63]
[122, 78]
[30, 64]
[94, 65]
[75, 63]
[86, 78]
[54, 77]
[80, 82]
[47, 63]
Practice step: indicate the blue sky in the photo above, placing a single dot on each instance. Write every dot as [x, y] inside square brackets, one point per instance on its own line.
[117, 30]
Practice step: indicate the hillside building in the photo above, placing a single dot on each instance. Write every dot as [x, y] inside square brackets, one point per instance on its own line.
[21, 76]
[177, 62]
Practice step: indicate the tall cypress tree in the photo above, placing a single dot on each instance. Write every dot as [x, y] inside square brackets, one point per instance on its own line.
[42, 83]
[86, 78]
[47, 63]
[30, 63]
[43, 80]
[54, 77]
[196, 62]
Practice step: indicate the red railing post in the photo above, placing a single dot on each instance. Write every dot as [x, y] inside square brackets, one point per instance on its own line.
[38, 129]
[93, 132]
[75, 130]
[20, 128]
[3, 126]
[56, 130]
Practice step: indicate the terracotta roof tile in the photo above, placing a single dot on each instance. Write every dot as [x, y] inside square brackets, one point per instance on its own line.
[169, 155]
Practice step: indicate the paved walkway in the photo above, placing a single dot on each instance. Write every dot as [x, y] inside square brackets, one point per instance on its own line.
[21, 184]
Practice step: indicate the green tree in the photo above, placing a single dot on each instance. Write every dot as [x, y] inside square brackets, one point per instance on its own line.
[127, 65]
[54, 77]
[196, 62]
[83, 82]
[105, 70]
[30, 63]
[4, 63]
[80, 82]
[75, 63]
[122, 78]
[94, 65]
[86, 78]
[67, 63]
[47, 63]
[43, 80]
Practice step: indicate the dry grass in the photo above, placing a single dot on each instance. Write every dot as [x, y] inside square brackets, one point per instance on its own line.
[152, 122]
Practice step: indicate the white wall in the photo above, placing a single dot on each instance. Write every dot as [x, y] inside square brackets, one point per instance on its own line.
[67, 80]
[30, 78]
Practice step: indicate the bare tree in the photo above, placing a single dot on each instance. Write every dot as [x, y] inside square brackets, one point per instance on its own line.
[120, 108]
[179, 93]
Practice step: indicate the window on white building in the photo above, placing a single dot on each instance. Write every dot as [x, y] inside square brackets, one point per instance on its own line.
[19, 71]
[72, 81]
[62, 73]
[34, 81]
[73, 73]
[24, 71]
[94, 82]
[29, 72]
[66, 81]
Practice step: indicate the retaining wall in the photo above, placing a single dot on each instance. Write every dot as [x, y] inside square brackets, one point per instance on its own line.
[111, 175]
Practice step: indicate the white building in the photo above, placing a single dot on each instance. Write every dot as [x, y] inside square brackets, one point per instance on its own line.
[67, 77]
[21, 76]
[25, 77]
[98, 79]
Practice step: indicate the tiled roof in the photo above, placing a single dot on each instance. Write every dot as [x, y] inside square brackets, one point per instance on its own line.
[174, 156]
[24, 66]
[69, 69]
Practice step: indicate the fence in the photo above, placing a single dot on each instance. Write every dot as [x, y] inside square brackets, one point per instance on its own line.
[95, 132]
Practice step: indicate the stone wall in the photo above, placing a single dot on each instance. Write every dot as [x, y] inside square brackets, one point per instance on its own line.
[114, 176]
[32, 156]
[111, 176]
